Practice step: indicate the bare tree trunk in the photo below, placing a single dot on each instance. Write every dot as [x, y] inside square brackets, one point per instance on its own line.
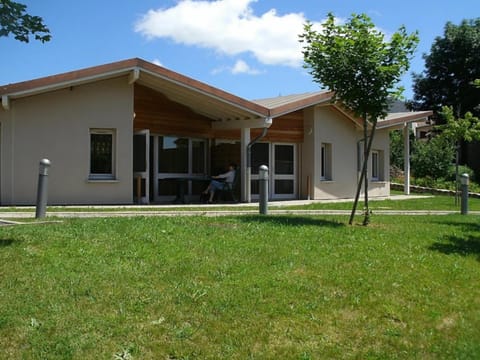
[363, 174]
[366, 211]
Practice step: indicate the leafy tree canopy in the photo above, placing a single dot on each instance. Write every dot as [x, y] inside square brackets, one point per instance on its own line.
[433, 158]
[461, 129]
[356, 62]
[452, 70]
[16, 21]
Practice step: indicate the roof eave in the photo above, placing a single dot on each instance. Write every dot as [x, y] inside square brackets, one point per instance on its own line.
[293, 106]
[415, 116]
[208, 91]
[124, 68]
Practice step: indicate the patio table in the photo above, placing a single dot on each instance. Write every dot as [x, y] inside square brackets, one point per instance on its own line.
[181, 182]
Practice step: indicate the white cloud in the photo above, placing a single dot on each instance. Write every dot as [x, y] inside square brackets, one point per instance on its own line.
[157, 62]
[241, 67]
[229, 27]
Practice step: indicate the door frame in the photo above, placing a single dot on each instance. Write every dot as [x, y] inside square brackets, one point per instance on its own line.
[143, 176]
[157, 176]
[272, 176]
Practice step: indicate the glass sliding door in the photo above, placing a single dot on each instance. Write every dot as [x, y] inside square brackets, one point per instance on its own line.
[260, 155]
[176, 157]
[172, 155]
[141, 166]
[281, 162]
[284, 174]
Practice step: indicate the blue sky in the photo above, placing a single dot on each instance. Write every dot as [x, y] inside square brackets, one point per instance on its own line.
[245, 47]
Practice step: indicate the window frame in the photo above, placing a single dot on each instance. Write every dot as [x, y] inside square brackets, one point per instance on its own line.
[375, 163]
[326, 161]
[102, 176]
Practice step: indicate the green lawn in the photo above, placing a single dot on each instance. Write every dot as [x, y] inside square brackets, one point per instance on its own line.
[247, 287]
[437, 202]
[420, 203]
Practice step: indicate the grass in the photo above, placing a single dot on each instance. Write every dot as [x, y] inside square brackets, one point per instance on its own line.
[247, 287]
[421, 203]
[437, 202]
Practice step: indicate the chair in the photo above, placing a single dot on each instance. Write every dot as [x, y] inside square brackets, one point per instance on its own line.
[229, 189]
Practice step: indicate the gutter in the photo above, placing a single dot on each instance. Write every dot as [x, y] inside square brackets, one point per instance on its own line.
[68, 83]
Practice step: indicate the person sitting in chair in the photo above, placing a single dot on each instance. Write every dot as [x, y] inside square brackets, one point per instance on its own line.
[229, 178]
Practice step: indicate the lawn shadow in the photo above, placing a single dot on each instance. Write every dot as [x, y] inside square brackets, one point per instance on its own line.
[458, 245]
[465, 226]
[292, 220]
[6, 242]
[466, 243]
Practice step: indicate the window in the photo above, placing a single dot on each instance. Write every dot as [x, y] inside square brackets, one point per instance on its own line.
[181, 155]
[326, 162]
[102, 154]
[173, 155]
[284, 161]
[376, 162]
[260, 155]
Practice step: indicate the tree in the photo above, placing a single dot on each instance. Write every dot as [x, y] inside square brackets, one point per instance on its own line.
[355, 61]
[396, 149]
[457, 130]
[432, 159]
[451, 70]
[16, 21]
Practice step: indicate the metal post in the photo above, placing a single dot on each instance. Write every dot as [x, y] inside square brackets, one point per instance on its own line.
[42, 190]
[263, 183]
[464, 204]
[406, 158]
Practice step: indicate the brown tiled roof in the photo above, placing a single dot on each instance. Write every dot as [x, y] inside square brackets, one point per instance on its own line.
[180, 86]
[206, 99]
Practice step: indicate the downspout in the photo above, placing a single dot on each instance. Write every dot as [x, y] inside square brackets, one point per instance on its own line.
[134, 76]
[249, 162]
[5, 102]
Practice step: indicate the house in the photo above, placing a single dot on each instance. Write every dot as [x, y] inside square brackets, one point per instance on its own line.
[127, 131]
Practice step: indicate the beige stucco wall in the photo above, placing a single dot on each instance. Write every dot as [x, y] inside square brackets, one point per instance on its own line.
[326, 125]
[56, 126]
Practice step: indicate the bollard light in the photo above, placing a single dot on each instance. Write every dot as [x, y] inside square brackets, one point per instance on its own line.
[263, 184]
[464, 185]
[42, 190]
[44, 166]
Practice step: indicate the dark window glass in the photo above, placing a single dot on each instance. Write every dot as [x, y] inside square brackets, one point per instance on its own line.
[173, 155]
[259, 156]
[284, 159]
[323, 172]
[255, 187]
[101, 154]
[284, 187]
[198, 157]
[139, 153]
[375, 165]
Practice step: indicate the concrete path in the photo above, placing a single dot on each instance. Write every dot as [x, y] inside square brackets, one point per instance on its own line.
[275, 208]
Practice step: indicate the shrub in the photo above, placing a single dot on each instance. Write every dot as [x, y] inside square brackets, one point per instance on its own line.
[432, 158]
[462, 169]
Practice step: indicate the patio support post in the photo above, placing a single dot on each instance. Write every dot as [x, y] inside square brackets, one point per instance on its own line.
[406, 158]
[244, 169]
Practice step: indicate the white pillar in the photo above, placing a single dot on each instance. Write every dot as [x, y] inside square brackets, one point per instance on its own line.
[245, 177]
[406, 158]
